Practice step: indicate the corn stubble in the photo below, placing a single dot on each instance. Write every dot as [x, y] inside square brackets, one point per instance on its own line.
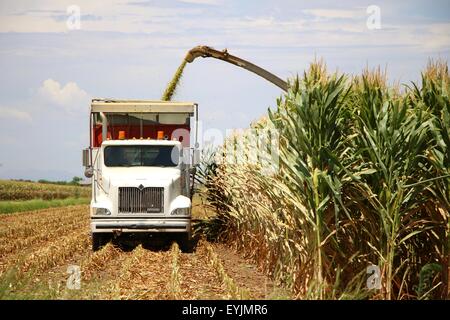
[142, 276]
[174, 286]
[27, 238]
[38, 246]
[232, 289]
[363, 179]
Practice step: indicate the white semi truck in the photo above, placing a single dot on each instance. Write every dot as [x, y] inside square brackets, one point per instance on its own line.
[141, 162]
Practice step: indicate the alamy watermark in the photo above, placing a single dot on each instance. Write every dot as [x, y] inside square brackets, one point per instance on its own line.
[254, 147]
[74, 279]
[73, 21]
[374, 279]
[258, 148]
[374, 20]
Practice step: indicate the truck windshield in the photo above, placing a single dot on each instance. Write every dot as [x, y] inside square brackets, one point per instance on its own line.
[141, 156]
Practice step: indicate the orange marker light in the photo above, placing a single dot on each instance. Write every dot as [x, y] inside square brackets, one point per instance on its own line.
[121, 135]
[160, 135]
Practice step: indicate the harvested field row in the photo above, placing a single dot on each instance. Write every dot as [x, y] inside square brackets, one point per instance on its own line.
[22, 219]
[40, 266]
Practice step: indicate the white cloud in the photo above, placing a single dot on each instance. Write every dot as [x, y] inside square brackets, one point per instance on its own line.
[178, 27]
[336, 13]
[70, 97]
[8, 113]
[437, 36]
[30, 24]
[114, 16]
[209, 2]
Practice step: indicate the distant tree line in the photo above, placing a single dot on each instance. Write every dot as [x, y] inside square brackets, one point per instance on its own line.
[74, 182]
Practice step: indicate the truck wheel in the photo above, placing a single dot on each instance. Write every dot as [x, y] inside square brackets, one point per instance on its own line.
[185, 243]
[98, 241]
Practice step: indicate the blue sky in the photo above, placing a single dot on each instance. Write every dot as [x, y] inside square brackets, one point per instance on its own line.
[130, 49]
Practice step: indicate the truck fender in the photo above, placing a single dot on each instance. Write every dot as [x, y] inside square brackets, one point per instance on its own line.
[180, 202]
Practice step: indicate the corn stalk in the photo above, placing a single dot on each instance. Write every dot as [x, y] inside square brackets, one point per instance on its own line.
[362, 179]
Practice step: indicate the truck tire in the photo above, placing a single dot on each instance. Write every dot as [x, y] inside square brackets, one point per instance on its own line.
[185, 243]
[98, 241]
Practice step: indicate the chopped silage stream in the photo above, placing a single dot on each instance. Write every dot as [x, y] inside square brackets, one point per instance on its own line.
[173, 84]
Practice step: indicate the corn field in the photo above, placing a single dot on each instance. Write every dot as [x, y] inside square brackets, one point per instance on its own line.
[20, 190]
[363, 180]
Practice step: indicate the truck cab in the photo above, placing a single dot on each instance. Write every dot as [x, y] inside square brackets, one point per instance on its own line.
[141, 165]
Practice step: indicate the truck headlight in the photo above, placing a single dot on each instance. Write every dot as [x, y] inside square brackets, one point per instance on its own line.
[102, 211]
[181, 212]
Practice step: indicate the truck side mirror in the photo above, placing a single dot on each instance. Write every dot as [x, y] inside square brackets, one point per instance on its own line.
[86, 158]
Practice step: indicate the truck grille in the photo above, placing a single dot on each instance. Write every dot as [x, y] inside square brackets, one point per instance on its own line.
[141, 200]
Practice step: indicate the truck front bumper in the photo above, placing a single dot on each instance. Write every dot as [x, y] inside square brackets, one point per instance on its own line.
[141, 225]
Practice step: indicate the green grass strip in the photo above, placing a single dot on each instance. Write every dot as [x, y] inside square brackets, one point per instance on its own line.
[37, 204]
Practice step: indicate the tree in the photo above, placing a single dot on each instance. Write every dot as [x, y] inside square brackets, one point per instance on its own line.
[76, 180]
